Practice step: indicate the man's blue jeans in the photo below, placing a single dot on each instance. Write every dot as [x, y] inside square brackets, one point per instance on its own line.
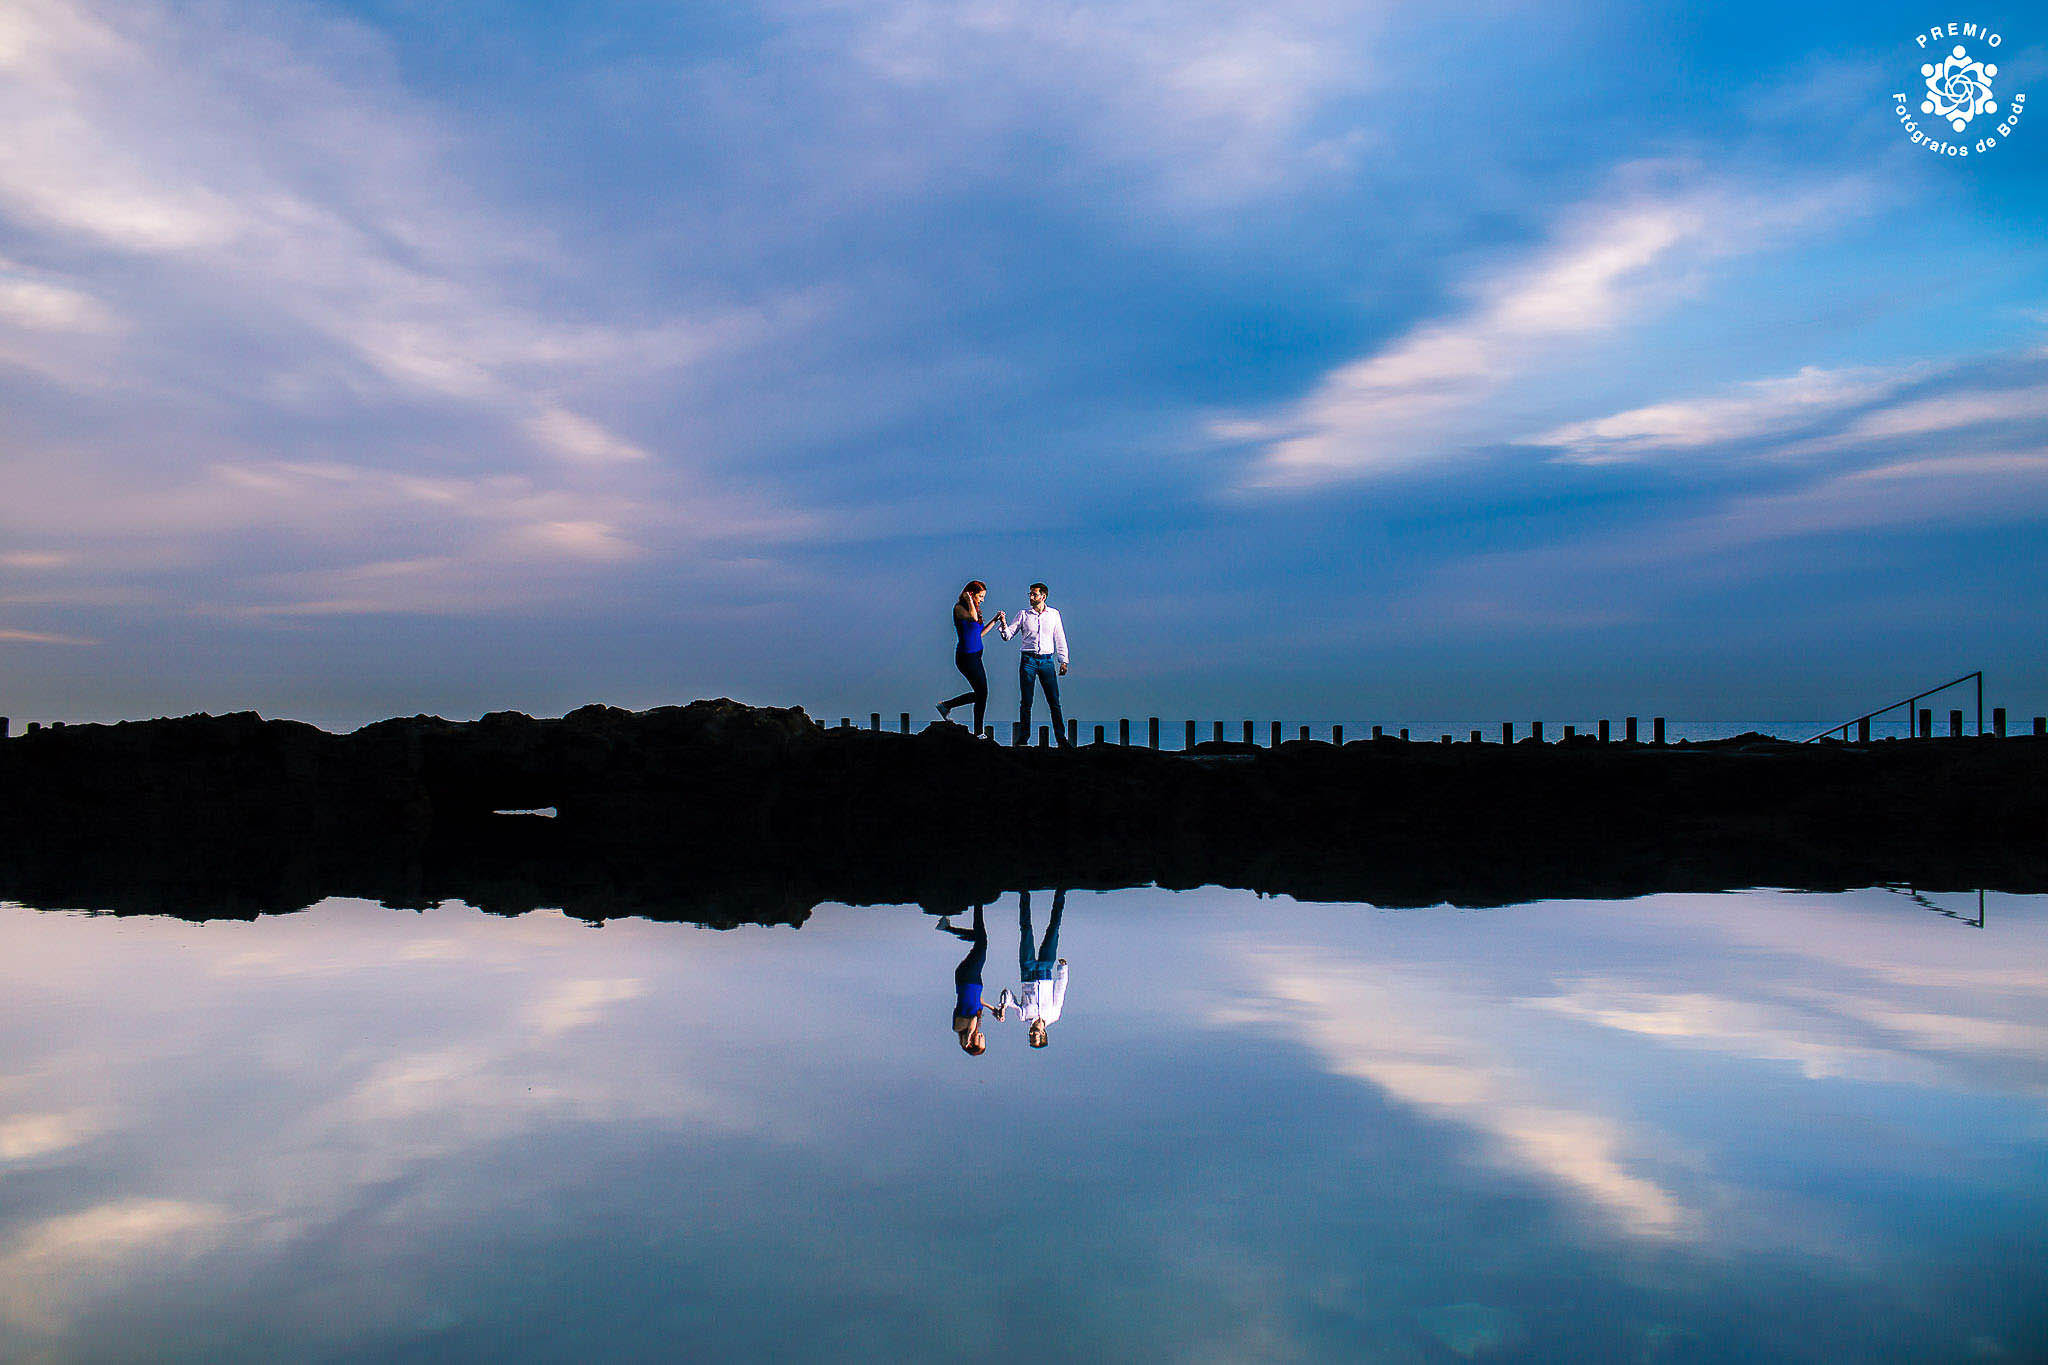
[1046, 669]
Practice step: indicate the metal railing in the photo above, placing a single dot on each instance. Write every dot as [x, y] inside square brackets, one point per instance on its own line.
[1911, 729]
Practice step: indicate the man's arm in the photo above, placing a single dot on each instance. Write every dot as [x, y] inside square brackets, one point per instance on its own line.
[1059, 638]
[1012, 624]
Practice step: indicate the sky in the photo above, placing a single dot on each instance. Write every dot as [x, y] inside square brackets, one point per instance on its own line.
[1330, 362]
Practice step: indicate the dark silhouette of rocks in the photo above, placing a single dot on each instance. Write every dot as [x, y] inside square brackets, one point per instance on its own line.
[721, 813]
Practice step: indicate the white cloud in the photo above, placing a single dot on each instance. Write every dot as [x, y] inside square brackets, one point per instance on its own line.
[1425, 395]
[1760, 407]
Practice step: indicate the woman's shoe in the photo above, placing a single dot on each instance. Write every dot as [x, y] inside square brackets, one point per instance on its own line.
[944, 713]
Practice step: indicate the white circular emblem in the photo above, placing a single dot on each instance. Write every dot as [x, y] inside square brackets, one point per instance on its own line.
[1958, 89]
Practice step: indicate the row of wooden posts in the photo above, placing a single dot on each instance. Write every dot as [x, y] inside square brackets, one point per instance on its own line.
[1507, 730]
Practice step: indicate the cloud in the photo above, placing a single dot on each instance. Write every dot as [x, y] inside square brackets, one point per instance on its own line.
[54, 1262]
[1426, 394]
[1758, 408]
[40, 637]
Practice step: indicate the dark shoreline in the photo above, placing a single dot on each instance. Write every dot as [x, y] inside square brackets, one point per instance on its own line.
[719, 813]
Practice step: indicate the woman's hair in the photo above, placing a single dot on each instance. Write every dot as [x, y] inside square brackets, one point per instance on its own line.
[966, 602]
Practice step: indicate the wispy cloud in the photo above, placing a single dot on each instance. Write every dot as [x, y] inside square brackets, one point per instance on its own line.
[41, 637]
[1426, 394]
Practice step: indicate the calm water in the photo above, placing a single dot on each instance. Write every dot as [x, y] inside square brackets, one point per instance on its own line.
[1763, 1125]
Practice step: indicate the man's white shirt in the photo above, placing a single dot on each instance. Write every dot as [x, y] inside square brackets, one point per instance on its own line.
[1042, 631]
[1042, 999]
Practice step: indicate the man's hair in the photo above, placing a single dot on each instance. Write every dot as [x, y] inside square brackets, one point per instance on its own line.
[1038, 1035]
[1040, 587]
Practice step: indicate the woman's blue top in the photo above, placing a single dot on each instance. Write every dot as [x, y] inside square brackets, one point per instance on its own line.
[970, 634]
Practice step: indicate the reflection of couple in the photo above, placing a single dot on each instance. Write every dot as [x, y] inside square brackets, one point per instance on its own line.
[1044, 657]
[1042, 986]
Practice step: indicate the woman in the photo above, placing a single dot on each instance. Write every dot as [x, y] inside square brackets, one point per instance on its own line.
[969, 628]
[967, 1004]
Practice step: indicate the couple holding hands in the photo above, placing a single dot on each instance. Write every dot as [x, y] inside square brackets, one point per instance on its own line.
[1044, 641]
[1042, 978]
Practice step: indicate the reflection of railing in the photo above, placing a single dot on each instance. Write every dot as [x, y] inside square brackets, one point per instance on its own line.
[1914, 896]
[1862, 722]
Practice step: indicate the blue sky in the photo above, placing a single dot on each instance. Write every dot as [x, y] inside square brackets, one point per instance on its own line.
[1330, 361]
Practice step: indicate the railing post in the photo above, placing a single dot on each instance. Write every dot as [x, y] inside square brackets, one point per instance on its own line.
[1378, 733]
[846, 722]
[1926, 723]
[1123, 732]
[1475, 737]
[1536, 730]
[1217, 734]
[1248, 733]
[874, 720]
[1630, 732]
[1603, 732]
[1154, 727]
[1570, 731]
[1191, 735]
[1337, 735]
[1098, 734]
[1656, 729]
[1507, 732]
[5, 725]
[903, 722]
[1404, 734]
[1276, 734]
[1863, 731]
[1955, 725]
[1304, 732]
[2041, 725]
[1997, 723]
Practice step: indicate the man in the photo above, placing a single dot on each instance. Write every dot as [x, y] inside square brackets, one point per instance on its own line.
[1043, 991]
[1045, 650]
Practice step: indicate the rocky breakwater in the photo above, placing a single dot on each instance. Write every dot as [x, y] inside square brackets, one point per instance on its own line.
[682, 805]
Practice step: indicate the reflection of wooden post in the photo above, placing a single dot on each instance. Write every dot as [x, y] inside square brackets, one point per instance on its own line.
[1154, 727]
[1863, 731]
[1955, 725]
[1123, 731]
[1656, 729]
[1603, 732]
[1507, 732]
[1337, 735]
[1997, 723]
[1276, 734]
[1926, 723]
[1191, 735]
[1630, 732]
[903, 722]
[1098, 734]
[1073, 732]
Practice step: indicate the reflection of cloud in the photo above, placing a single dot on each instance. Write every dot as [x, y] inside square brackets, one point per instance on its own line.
[23, 1136]
[576, 1003]
[1365, 1028]
[57, 1260]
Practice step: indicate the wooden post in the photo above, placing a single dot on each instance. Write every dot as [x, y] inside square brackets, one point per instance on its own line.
[1098, 734]
[1507, 732]
[1044, 734]
[2041, 725]
[1955, 725]
[1926, 723]
[1603, 732]
[874, 720]
[1218, 735]
[1248, 733]
[1073, 732]
[1377, 733]
[1337, 735]
[1863, 731]
[34, 726]
[1536, 730]
[1276, 734]
[1154, 727]
[1630, 732]
[5, 724]
[1017, 735]
[1304, 732]
[1191, 735]
[988, 732]
[1476, 739]
[1447, 739]
[1997, 723]
[1404, 734]
[1656, 729]
[1569, 732]
[846, 722]
[903, 722]
[1123, 731]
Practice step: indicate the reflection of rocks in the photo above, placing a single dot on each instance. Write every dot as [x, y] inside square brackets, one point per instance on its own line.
[723, 813]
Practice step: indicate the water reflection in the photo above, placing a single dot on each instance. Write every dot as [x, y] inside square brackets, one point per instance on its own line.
[967, 1006]
[1041, 972]
[1766, 1125]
